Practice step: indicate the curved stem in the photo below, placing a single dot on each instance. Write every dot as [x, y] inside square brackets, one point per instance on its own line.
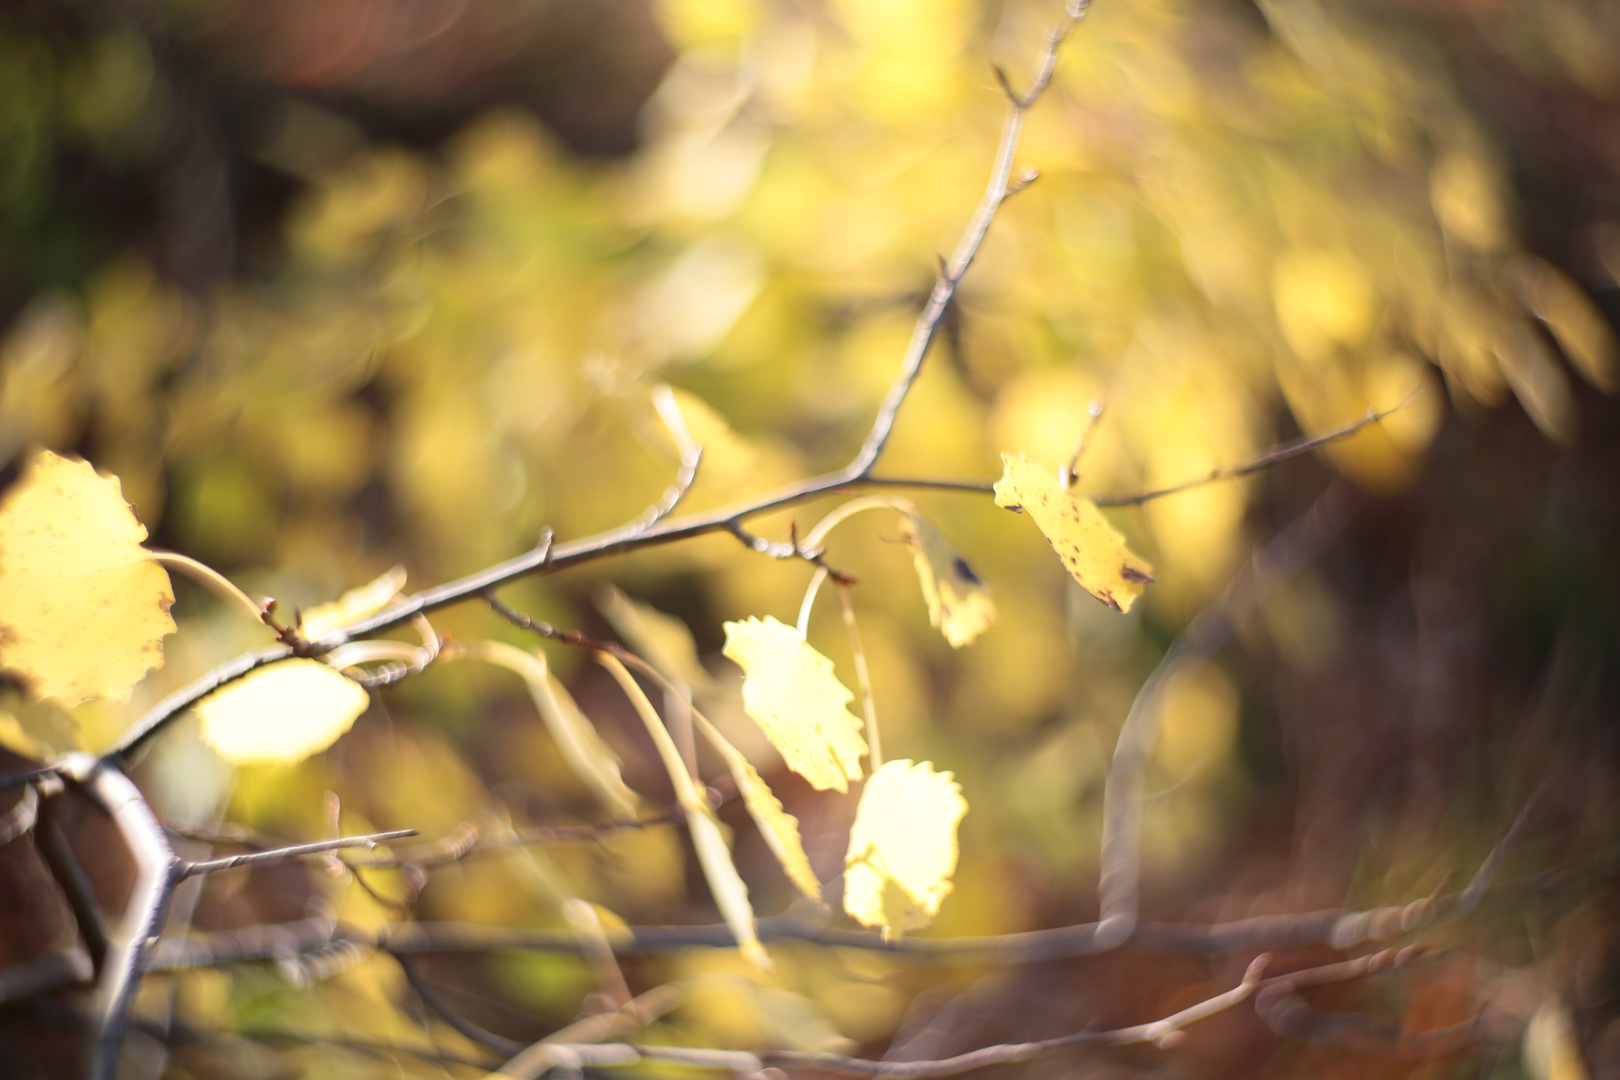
[217, 583]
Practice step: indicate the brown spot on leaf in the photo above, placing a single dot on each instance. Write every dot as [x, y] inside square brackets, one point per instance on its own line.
[1131, 573]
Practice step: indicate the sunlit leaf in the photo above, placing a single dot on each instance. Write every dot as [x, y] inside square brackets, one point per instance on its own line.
[354, 604]
[1092, 549]
[662, 640]
[779, 828]
[902, 847]
[592, 760]
[83, 609]
[791, 692]
[281, 713]
[959, 604]
[1551, 1051]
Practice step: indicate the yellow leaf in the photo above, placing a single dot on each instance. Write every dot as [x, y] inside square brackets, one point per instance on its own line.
[779, 828]
[902, 847]
[1092, 550]
[284, 712]
[791, 692]
[354, 604]
[592, 760]
[730, 894]
[662, 640]
[1574, 320]
[83, 609]
[959, 605]
[1551, 1051]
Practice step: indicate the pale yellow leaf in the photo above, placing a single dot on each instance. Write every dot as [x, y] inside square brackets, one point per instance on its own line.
[779, 828]
[959, 605]
[355, 604]
[83, 609]
[662, 640]
[726, 885]
[281, 713]
[1551, 1050]
[791, 692]
[1092, 549]
[592, 760]
[902, 847]
[713, 850]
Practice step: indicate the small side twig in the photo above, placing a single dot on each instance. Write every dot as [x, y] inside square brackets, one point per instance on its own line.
[288, 854]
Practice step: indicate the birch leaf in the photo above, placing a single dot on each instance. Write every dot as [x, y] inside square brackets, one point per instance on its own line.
[959, 605]
[791, 692]
[1091, 549]
[355, 604]
[281, 713]
[779, 828]
[902, 847]
[83, 609]
[592, 760]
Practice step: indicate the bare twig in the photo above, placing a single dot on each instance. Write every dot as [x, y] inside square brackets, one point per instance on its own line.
[71, 879]
[952, 272]
[1488, 869]
[1271, 457]
[155, 862]
[435, 1001]
[1161, 1033]
[558, 1048]
[288, 854]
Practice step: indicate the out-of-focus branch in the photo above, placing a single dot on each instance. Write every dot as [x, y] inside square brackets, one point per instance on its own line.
[468, 1030]
[1280, 1005]
[1161, 1033]
[288, 854]
[155, 862]
[1272, 565]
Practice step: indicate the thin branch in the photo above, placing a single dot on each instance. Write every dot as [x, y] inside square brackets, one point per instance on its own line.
[1271, 457]
[288, 854]
[952, 272]
[557, 1049]
[435, 1001]
[1208, 632]
[1488, 870]
[128, 944]
[71, 879]
[1160, 1033]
